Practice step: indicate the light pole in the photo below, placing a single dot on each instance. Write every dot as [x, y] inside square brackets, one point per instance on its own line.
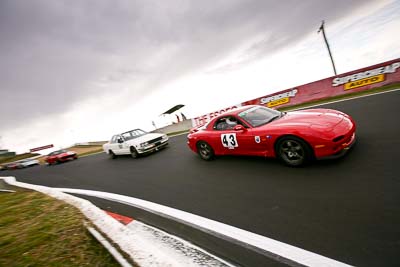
[321, 28]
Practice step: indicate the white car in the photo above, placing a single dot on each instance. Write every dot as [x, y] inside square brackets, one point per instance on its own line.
[135, 142]
[24, 163]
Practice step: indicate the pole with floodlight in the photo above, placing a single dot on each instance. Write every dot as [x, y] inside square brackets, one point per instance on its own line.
[321, 28]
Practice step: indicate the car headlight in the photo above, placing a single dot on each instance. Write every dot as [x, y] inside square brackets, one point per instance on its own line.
[165, 137]
[144, 144]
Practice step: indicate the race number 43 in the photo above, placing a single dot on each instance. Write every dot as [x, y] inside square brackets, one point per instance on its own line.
[229, 140]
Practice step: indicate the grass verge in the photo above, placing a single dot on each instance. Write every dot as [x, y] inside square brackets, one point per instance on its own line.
[18, 157]
[37, 230]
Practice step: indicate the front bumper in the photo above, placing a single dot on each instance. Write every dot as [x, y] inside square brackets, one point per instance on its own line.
[346, 147]
[153, 147]
[67, 158]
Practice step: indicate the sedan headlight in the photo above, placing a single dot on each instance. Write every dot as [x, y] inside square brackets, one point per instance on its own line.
[144, 144]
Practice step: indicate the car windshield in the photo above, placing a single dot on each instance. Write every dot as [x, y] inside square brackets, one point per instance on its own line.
[257, 116]
[133, 134]
[57, 152]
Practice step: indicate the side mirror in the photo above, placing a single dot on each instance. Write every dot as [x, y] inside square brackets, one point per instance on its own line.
[120, 140]
[239, 128]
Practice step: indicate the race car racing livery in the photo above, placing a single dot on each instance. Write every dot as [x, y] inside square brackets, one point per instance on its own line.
[135, 142]
[59, 156]
[294, 137]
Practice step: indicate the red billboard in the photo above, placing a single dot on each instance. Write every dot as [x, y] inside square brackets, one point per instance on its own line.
[198, 121]
[354, 81]
[40, 148]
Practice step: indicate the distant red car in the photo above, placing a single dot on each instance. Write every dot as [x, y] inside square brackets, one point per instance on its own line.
[60, 156]
[294, 137]
[11, 166]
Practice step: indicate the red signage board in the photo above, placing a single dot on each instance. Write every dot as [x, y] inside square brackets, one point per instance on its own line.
[355, 81]
[40, 148]
[198, 121]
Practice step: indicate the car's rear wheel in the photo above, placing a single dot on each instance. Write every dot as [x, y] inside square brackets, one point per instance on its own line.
[112, 154]
[205, 150]
[134, 153]
[293, 151]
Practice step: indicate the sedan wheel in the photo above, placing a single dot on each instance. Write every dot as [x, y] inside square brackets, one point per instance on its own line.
[134, 153]
[205, 151]
[293, 151]
[112, 155]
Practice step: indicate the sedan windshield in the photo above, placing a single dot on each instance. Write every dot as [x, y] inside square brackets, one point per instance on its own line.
[133, 134]
[257, 116]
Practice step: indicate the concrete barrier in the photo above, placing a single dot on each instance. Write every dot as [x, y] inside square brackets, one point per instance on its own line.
[176, 127]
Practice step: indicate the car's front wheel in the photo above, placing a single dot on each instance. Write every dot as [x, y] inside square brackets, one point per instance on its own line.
[293, 151]
[205, 150]
[134, 153]
[112, 154]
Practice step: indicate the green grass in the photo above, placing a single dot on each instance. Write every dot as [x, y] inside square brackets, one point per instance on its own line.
[342, 97]
[37, 230]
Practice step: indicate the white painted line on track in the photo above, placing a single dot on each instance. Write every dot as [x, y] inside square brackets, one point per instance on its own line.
[185, 252]
[121, 260]
[7, 191]
[140, 250]
[277, 249]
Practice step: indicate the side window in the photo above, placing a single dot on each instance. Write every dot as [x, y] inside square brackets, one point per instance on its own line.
[113, 139]
[225, 123]
[220, 124]
[126, 136]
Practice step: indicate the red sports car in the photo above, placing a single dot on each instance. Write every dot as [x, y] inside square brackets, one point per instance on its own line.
[60, 156]
[294, 137]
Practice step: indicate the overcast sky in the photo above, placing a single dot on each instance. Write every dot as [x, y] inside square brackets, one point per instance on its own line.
[75, 71]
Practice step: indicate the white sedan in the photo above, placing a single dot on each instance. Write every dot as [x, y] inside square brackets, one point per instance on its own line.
[135, 142]
[24, 163]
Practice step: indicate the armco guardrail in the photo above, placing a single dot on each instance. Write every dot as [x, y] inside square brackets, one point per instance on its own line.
[355, 81]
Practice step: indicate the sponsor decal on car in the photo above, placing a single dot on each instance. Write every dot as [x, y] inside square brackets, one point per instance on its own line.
[366, 77]
[279, 99]
[257, 139]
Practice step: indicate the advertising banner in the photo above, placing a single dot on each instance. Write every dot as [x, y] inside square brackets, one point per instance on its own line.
[354, 81]
[40, 148]
[198, 121]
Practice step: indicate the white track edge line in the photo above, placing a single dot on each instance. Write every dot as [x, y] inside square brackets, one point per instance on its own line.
[281, 249]
[117, 256]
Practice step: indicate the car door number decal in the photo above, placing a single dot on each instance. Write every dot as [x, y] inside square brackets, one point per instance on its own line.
[229, 140]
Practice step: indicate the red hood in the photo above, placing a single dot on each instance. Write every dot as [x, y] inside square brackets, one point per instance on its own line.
[321, 118]
[62, 154]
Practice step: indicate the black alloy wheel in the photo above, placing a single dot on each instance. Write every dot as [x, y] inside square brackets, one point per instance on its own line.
[293, 151]
[205, 150]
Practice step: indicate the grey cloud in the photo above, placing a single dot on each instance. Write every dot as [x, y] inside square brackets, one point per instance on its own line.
[54, 51]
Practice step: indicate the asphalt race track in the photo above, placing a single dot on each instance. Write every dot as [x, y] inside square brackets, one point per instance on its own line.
[346, 209]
